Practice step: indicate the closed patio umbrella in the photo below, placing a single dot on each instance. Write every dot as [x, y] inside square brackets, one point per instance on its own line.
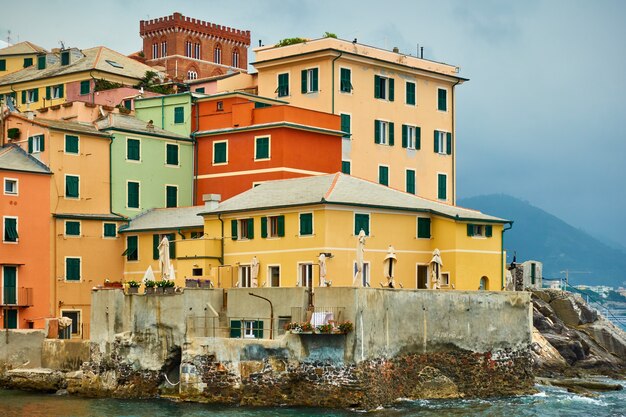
[164, 257]
[360, 254]
[148, 275]
[254, 272]
[436, 263]
[322, 263]
[389, 266]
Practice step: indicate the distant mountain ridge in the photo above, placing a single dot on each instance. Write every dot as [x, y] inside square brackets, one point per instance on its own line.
[541, 236]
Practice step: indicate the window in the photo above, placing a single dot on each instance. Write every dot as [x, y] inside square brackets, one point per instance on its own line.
[10, 229]
[361, 222]
[196, 235]
[188, 49]
[219, 106]
[533, 273]
[196, 272]
[442, 186]
[179, 115]
[3, 64]
[133, 149]
[273, 226]
[345, 80]
[410, 181]
[36, 144]
[171, 196]
[72, 228]
[283, 85]
[132, 252]
[479, 230]
[411, 137]
[114, 64]
[200, 90]
[192, 75]
[245, 276]
[30, 96]
[253, 329]
[442, 99]
[383, 132]
[196, 50]
[383, 88]
[28, 62]
[220, 153]
[110, 230]
[262, 148]
[128, 104]
[85, 87]
[235, 58]
[423, 228]
[445, 278]
[74, 315]
[305, 278]
[217, 54]
[383, 175]
[132, 195]
[41, 62]
[242, 229]
[65, 58]
[71, 144]
[273, 275]
[306, 224]
[10, 318]
[156, 240]
[155, 50]
[72, 269]
[365, 274]
[443, 143]
[345, 167]
[10, 186]
[163, 48]
[410, 93]
[309, 80]
[54, 92]
[171, 154]
[72, 189]
[345, 125]
[9, 284]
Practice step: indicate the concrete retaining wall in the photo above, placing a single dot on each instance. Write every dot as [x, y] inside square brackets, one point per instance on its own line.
[64, 355]
[21, 348]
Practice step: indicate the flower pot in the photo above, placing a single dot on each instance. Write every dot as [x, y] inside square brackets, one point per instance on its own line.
[191, 283]
[149, 291]
[168, 290]
[115, 284]
[158, 290]
[205, 283]
[133, 290]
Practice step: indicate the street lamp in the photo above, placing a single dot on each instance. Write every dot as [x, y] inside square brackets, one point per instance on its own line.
[271, 313]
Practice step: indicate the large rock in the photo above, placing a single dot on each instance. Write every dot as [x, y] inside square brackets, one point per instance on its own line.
[573, 310]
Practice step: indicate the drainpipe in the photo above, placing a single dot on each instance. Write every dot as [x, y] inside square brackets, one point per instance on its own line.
[333, 81]
[454, 147]
[221, 259]
[504, 229]
[194, 184]
[93, 93]
[162, 112]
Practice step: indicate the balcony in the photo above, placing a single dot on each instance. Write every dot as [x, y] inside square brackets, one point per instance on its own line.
[16, 297]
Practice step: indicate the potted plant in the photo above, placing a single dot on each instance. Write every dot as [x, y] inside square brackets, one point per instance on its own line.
[158, 289]
[150, 287]
[345, 327]
[113, 284]
[168, 287]
[293, 327]
[133, 286]
[325, 328]
[205, 283]
[306, 327]
[191, 282]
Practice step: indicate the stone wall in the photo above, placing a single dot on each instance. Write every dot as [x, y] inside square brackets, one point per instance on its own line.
[64, 355]
[20, 348]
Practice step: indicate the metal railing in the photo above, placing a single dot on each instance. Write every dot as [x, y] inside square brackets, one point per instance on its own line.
[17, 297]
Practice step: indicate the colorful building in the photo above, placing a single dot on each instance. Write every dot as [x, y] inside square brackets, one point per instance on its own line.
[191, 48]
[16, 57]
[25, 249]
[399, 110]
[150, 167]
[243, 140]
[70, 72]
[171, 112]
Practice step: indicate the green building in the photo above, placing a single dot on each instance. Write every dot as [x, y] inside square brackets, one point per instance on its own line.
[171, 113]
[150, 167]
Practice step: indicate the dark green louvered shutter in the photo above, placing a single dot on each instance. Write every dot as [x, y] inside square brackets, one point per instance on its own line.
[10, 284]
[404, 136]
[346, 85]
[418, 137]
[263, 227]
[306, 224]
[423, 228]
[281, 226]
[171, 237]
[488, 230]
[23, 96]
[3, 64]
[41, 62]
[376, 86]
[71, 186]
[133, 149]
[72, 269]
[72, 228]
[449, 143]
[345, 167]
[257, 329]
[133, 195]
[10, 229]
[361, 222]
[36, 95]
[345, 125]
[376, 131]
[383, 175]
[436, 145]
[442, 191]
[391, 88]
[131, 248]
[410, 93]
[442, 100]
[250, 228]
[470, 229]
[410, 181]
[171, 196]
[48, 95]
[315, 81]
[42, 143]
[533, 273]
[233, 229]
[155, 246]
[30, 145]
[171, 152]
[179, 114]
[235, 328]
[303, 79]
[392, 131]
[71, 144]
[61, 92]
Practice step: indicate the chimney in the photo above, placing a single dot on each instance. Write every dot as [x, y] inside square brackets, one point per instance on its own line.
[211, 201]
[396, 49]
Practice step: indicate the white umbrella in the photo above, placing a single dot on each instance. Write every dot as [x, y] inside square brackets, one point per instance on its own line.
[389, 266]
[164, 257]
[436, 264]
[171, 276]
[322, 263]
[254, 272]
[148, 275]
[360, 250]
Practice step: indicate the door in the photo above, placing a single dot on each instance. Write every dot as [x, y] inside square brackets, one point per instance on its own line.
[9, 285]
[10, 319]
[422, 277]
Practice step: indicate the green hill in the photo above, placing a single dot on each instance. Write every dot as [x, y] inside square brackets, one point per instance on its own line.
[539, 235]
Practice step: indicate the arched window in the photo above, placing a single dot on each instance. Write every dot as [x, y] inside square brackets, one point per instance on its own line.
[217, 54]
[188, 48]
[155, 50]
[192, 75]
[196, 50]
[484, 284]
[163, 47]
[236, 58]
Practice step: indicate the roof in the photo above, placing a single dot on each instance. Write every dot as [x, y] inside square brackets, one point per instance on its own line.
[14, 158]
[99, 58]
[125, 123]
[166, 218]
[80, 216]
[66, 126]
[243, 94]
[341, 189]
[271, 125]
[21, 48]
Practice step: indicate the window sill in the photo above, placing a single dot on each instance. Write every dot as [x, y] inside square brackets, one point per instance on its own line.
[262, 159]
[313, 235]
[172, 165]
[133, 161]
[14, 242]
[72, 280]
[72, 198]
[217, 164]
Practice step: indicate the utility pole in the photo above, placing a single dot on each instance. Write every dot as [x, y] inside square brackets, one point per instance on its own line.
[567, 272]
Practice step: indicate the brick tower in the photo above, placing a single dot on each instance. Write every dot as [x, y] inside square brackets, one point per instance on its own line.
[190, 48]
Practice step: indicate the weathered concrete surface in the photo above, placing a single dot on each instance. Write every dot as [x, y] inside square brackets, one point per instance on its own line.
[38, 379]
[20, 348]
[64, 355]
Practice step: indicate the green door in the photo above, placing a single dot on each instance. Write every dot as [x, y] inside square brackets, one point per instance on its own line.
[9, 285]
[10, 319]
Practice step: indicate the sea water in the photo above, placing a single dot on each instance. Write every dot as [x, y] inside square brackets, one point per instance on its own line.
[548, 402]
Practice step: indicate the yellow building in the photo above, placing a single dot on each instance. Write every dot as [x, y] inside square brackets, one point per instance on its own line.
[16, 57]
[397, 110]
[69, 75]
[286, 225]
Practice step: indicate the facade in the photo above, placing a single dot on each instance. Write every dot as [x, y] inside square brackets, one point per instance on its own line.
[123, 96]
[25, 249]
[71, 71]
[191, 48]
[150, 167]
[243, 140]
[224, 83]
[16, 57]
[397, 110]
[171, 112]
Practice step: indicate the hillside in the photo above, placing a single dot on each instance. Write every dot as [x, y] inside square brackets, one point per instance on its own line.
[539, 235]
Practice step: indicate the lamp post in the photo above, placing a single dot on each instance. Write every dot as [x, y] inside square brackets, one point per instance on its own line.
[271, 313]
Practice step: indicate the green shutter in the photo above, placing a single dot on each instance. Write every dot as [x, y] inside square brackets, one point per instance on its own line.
[383, 175]
[3, 64]
[250, 228]
[133, 195]
[131, 248]
[72, 228]
[28, 62]
[470, 229]
[410, 181]
[345, 125]
[233, 229]
[488, 230]
[436, 145]
[263, 227]
[418, 137]
[10, 230]
[171, 154]
[423, 228]
[257, 328]
[410, 93]
[9, 284]
[392, 131]
[30, 145]
[442, 191]
[442, 100]
[42, 143]
[85, 87]
[533, 273]
[61, 92]
[179, 115]
[303, 79]
[171, 196]
[48, 95]
[346, 85]
[219, 152]
[41, 62]
[156, 239]
[315, 79]
[23, 96]
[391, 89]
[404, 136]
[110, 230]
[36, 95]
[10, 319]
[71, 144]
[262, 148]
[376, 86]
[72, 269]
[361, 222]
[235, 328]
[345, 167]
[65, 58]
[172, 237]
[449, 143]
[283, 85]
[306, 224]
[71, 186]
[281, 226]
[133, 149]
[376, 131]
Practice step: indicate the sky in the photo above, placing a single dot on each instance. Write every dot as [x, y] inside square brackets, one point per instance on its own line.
[541, 119]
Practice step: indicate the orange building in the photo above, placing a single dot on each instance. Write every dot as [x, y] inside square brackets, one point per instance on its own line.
[243, 140]
[25, 247]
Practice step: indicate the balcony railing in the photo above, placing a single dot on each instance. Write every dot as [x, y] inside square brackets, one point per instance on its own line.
[16, 297]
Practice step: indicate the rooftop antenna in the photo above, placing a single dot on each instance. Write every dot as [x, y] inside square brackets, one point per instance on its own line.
[9, 36]
[62, 45]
